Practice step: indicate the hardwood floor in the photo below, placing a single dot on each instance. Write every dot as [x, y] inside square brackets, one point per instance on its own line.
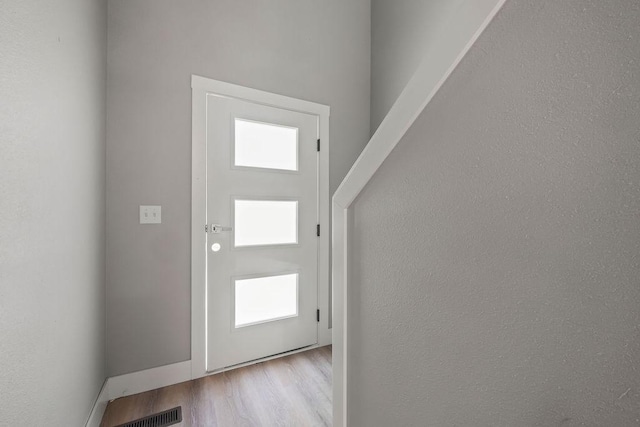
[291, 391]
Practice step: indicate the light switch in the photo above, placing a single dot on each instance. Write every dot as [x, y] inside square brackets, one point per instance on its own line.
[150, 214]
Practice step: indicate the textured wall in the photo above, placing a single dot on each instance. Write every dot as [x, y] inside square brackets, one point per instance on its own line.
[496, 269]
[307, 49]
[52, 154]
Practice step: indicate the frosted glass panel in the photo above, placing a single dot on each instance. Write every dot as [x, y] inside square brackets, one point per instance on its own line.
[265, 222]
[266, 298]
[262, 145]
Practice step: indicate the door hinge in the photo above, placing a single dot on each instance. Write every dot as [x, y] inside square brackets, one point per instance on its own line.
[318, 230]
[318, 144]
[206, 228]
[318, 315]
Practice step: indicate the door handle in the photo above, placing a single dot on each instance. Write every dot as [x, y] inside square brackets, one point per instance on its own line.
[217, 228]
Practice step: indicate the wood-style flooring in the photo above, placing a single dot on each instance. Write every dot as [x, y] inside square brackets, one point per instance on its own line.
[290, 391]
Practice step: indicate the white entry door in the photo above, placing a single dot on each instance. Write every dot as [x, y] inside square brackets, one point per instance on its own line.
[262, 242]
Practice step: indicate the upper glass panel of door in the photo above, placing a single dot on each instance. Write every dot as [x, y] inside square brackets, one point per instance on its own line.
[265, 145]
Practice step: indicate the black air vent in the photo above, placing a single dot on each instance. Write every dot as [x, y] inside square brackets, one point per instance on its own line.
[161, 419]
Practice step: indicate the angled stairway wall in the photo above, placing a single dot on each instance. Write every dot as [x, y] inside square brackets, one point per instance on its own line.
[494, 255]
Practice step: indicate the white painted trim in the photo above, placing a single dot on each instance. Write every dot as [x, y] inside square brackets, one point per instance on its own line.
[426, 82]
[257, 96]
[100, 405]
[137, 382]
[149, 379]
[201, 86]
[198, 238]
[339, 282]
[324, 212]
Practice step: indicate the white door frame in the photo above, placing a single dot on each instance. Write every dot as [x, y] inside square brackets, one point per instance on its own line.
[201, 87]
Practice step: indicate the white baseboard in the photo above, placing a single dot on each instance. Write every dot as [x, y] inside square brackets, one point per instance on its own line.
[149, 379]
[137, 382]
[99, 407]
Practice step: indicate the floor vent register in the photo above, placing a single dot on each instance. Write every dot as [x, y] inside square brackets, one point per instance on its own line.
[161, 419]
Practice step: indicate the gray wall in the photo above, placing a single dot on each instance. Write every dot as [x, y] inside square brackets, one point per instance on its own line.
[504, 286]
[52, 154]
[307, 49]
[403, 33]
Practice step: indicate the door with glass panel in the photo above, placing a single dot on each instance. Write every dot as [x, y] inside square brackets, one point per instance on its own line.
[262, 244]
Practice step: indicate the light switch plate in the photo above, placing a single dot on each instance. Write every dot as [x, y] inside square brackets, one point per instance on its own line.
[150, 214]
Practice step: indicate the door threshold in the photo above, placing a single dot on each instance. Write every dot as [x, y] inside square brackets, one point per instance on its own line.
[263, 359]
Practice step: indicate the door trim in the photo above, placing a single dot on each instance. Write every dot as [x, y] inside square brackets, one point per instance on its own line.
[201, 88]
